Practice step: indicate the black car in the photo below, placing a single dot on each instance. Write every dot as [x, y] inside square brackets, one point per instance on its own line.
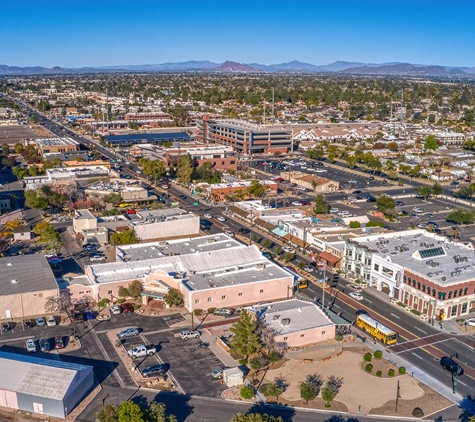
[370, 199]
[243, 230]
[154, 371]
[28, 323]
[182, 196]
[165, 195]
[450, 365]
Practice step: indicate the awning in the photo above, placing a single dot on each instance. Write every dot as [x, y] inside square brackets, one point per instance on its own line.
[337, 319]
[279, 232]
[264, 224]
[296, 241]
[332, 259]
[153, 295]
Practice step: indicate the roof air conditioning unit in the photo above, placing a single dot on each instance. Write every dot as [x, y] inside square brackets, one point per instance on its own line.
[162, 244]
[260, 267]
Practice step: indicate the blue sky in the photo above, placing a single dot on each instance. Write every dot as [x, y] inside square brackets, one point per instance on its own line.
[103, 32]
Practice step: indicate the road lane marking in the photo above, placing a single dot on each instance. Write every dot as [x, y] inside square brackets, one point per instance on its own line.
[465, 344]
[460, 382]
[421, 347]
[421, 358]
[395, 316]
[422, 331]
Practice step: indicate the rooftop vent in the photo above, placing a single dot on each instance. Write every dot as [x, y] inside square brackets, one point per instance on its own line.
[15, 281]
[285, 321]
[260, 267]
[10, 264]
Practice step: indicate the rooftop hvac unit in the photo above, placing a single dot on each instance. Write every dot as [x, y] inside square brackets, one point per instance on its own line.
[285, 321]
[260, 267]
[162, 244]
[178, 276]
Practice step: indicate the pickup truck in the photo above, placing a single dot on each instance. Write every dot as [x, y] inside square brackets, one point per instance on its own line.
[142, 350]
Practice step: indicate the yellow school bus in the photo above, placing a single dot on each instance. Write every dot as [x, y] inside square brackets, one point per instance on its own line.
[376, 329]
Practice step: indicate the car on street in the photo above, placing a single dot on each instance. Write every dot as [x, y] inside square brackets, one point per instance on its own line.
[470, 322]
[223, 312]
[353, 182]
[182, 197]
[218, 373]
[450, 365]
[288, 249]
[40, 322]
[417, 209]
[116, 309]
[229, 233]
[129, 332]
[296, 204]
[454, 183]
[50, 321]
[221, 218]
[243, 230]
[433, 223]
[357, 192]
[187, 334]
[207, 215]
[370, 199]
[356, 295]
[304, 203]
[309, 268]
[354, 287]
[399, 203]
[58, 342]
[154, 371]
[90, 247]
[334, 210]
[127, 308]
[78, 317]
[30, 346]
[422, 226]
[44, 345]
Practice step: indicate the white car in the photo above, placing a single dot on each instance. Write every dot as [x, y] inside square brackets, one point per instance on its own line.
[187, 334]
[417, 209]
[116, 309]
[296, 204]
[229, 233]
[353, 182]
[356, 295]
[309, 268]
[320, 170]
[288, 249]
[208, 216]
[221, 218]
[354, 287]
[50, 321]
[30, 346]
[334, 210]
[470, 321]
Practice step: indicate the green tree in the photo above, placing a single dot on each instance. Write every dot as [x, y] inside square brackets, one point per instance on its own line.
[355, 224]
[321, 205]
[20, 172]
[328, 395]
[308, 391]
[315, 153]
[109, 413]
[461, 217]
[247, 392]
[157, 413]
[245, 340]
[256, 189]
[437, 189]
[48, 235]
[274, 390]
[185, 168]
[174, 297]
[135, 288]
[385, 203]
[6, 150]
[125, 238]
[19, 148]
[130, 412]
[430, 143]
[112, 198]
[34, 200]
[351, 161]
[424, 191]
[155, 169]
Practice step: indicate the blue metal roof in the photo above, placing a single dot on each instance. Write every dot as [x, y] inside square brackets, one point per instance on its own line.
[139, 137]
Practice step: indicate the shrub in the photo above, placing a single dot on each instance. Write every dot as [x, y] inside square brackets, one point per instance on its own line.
[418, 412]
[391, 372]
[367, 357]
[211, 310]
[415, 312]
[374, 224]
[136, 306]
[378, 354]
[368, 368]
[355, 224]
[121, 300]
[379, 373]
[243, 361]
[247, 392]
[338, 337]
[197, 312]
[402, 370]
[273, 356]
[103, 302]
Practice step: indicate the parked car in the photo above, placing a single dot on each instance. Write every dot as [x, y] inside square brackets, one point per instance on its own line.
[218, 373]
[354, 287]
[221, 218]
[142, 350]
[356, 295]
[399, 203]
[223, 311]
[116, 309]
[31, 346]
[187, 334]
[229, 233]
[288, 249]
[353, 182]
[50, 321]
[417, 209]
[40, 322]
[430, 215]
[78, 317]
[433, 223]
[243, 230]
[182, 197]
[44, 345]
[58, 342]
[89, 315]
[28, 323]
[6, 326]
[129, 332]
[208, 216]
[127, 308]
[450, 365]
[470, 322]
[309, 268]
[334, 210]
[154, 371]
[90, 247]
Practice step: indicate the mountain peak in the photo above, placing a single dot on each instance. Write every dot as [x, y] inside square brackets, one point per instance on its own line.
[230, 66]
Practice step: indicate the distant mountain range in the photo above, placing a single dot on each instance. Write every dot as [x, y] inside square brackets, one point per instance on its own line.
[339, 67]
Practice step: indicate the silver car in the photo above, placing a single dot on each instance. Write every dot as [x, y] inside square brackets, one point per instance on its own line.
[129, 332]
[187, 334]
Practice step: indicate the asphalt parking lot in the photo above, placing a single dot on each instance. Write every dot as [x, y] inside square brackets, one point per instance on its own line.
[190, 365]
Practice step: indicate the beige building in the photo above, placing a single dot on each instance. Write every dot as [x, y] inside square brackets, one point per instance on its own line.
[56, 145]
[313, 182]
[25, 283]
[85, 226]
[297, 323]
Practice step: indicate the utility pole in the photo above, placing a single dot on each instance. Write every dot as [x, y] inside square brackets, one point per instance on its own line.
[273, 105]
[107, 111]
[397, 394]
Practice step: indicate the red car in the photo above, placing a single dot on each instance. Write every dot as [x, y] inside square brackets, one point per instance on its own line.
[58, 342]
[127, 308]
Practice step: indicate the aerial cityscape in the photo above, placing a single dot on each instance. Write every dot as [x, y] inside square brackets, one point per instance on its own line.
[237, 212]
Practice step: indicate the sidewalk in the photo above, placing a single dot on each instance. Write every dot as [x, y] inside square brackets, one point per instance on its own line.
[226, 358]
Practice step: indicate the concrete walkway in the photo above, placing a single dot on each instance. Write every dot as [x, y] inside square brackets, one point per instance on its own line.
[226, 358]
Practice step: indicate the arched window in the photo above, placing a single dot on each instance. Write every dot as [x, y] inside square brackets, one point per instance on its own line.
[434, 292]
[455, 293]
[441, 295]
[405, 279]
[465, 291]
[450, 294]
[408, 280]
[413, 283]
[419, 285]
[428, 290]
[424, 288]
[460, 292]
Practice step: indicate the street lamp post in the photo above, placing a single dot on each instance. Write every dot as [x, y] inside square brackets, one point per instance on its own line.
[454, 374]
